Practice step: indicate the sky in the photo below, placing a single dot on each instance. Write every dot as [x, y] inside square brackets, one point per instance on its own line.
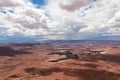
[34, 20]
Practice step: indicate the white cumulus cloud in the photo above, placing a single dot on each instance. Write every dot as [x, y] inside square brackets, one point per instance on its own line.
[79, 18]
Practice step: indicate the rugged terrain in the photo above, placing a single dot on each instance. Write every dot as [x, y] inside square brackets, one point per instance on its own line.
[58, 60]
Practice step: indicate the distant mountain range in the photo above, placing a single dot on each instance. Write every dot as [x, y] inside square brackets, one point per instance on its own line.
[41, 39]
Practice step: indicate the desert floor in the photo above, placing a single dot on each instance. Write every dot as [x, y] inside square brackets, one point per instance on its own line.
[30, 61]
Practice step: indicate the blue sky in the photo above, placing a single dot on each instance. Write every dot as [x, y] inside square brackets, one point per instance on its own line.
[32, 20]
[39, 3]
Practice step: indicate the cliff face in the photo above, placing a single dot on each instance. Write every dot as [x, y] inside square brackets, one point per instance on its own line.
[8, 51]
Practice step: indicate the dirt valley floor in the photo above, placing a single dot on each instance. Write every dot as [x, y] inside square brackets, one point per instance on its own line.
[87, 60]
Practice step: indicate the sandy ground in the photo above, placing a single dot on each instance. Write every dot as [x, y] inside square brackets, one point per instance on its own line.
[32, 62]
